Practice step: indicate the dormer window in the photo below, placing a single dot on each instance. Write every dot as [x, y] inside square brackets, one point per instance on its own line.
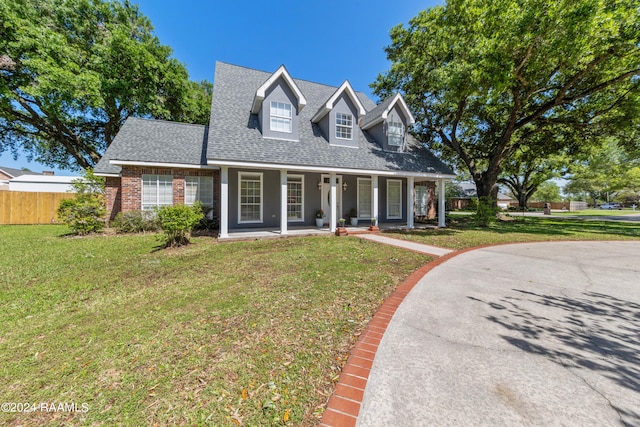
[344, 126]
[395, 133]
[280, 117]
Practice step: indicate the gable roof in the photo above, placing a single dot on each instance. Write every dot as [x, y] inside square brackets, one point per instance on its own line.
[14, 173]
[155, 142]
[235, 137]
[261, 92]
[328, 106]
[381, 112]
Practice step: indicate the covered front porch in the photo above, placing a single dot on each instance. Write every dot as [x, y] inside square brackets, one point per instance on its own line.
[287, 201]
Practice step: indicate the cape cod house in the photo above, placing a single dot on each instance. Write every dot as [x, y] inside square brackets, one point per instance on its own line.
[276, 151]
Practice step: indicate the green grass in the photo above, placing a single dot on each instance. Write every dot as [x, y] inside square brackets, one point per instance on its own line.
[598, 212]
[211, 334]
[461, 232]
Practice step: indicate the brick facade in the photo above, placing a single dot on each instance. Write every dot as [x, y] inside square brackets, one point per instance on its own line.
[124, 194]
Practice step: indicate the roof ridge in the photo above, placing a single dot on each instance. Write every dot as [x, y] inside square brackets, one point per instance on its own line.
[295, 78]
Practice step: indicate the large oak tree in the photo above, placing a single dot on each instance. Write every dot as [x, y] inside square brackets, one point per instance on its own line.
[71, 72]
[487, 77]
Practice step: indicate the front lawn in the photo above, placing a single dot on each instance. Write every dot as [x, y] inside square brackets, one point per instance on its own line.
[598, 212]
[461, 231]
[246, 333]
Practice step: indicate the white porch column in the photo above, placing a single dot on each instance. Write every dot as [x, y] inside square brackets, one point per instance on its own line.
[441, 221]
[374, 198]
[333, 216]
[224, 202]
[410, 201]
[283, 201]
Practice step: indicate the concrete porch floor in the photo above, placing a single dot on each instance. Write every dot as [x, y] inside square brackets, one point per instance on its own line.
[274, 232]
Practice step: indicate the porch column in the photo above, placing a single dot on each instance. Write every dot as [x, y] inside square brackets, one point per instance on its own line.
[441, 221]
[410, 201]
[224, 202]
[283, 201]
[333, 218]
[374, 198]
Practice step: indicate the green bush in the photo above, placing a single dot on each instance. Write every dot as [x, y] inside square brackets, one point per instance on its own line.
[177, 222]
[83, 214]
[486, 211]
[135, 222]
[208, 222]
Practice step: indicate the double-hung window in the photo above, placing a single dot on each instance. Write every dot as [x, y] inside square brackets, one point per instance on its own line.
[295, 198]
[364, 198]
[250, 198]
[395, 133]
[394, 199]
[198, 188]
[344, 126]
[281, 116]
[157, 191]
[422, 200]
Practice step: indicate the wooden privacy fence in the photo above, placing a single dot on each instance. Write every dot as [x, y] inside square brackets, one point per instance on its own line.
[22, 207]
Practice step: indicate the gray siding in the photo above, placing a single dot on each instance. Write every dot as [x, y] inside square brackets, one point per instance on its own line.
[343, 105]
[271, 198]
[280, 92]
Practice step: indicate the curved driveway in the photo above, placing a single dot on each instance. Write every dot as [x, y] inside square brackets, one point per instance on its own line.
[524, 334]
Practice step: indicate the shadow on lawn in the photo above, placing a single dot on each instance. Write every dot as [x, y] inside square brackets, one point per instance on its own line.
[594, 332]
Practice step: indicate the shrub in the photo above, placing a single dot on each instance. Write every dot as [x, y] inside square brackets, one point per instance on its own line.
[208, 221]
[486, 211]
[135, 222]
[83, 214]
[177, 222]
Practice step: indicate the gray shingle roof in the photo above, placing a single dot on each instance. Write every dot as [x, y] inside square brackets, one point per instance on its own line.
[234, 133]
[376, 113]
[17, 172]
[156, 141]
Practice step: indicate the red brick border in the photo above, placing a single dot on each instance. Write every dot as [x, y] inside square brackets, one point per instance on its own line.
[344, 404]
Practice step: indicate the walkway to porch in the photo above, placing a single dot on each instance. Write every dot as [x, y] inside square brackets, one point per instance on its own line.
[274, 232]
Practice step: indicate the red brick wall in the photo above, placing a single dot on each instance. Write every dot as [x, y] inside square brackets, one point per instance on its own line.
[431, 200]
[125, 193]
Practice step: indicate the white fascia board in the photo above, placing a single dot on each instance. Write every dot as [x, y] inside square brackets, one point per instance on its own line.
[346, 86]
[262, 90]
[324, 169]
[161, 165]
[109, 175]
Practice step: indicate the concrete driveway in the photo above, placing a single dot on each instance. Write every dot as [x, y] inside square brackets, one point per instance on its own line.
[526, 334]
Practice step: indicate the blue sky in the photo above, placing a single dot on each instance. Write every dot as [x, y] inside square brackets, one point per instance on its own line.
[326, 42]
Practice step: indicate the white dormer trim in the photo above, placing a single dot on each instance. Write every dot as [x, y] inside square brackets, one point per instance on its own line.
[397, 99]
[328, 106]
[260, 93]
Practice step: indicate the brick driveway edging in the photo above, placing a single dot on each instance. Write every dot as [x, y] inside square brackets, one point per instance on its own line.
[344, 404]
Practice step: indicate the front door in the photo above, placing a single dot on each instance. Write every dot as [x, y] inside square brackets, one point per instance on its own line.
[326, 197]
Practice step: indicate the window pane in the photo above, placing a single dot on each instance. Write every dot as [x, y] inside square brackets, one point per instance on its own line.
[250, 198]
[157, 190]
[394, 199]
[344, 124]
[422, 200]
[294, 198]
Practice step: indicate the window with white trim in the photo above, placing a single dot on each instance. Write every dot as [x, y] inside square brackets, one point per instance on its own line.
[281, 116]
[250, 198]
[422, 200]
[198, 188]
[295, 197]
[364, 198]
[394, 199]
[395, 133]
[157, 191]
[344, 126]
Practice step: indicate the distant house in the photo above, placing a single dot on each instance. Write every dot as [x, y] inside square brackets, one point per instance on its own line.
[277, 151]
[469, 193]
[6, 174]
[45, 183]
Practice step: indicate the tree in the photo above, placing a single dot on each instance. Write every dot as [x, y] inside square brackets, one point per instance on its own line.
[72, 71]
[548, 191]
[485, 77]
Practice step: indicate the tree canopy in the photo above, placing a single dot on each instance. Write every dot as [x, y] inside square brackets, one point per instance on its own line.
[72, 71]
[485, 78]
